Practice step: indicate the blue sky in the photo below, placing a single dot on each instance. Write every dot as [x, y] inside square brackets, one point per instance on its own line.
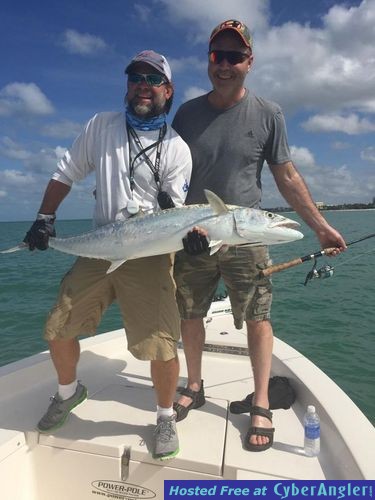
[61, 62]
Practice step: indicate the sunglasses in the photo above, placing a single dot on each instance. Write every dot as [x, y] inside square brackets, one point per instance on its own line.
[232, 56]
[152, 80]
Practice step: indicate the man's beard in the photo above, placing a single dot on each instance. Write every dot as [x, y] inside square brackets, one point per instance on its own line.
[149, 110]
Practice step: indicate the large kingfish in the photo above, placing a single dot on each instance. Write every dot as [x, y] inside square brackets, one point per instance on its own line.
[162, 232]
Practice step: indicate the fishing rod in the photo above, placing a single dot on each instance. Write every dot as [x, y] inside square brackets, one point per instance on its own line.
[324, 272]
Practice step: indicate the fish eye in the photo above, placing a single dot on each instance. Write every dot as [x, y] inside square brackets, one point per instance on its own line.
[270, 215]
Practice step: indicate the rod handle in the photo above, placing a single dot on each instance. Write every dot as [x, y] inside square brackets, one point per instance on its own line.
[280, 267]
[295, 262]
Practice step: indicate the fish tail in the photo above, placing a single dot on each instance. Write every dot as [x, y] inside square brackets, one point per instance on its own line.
[21, 246]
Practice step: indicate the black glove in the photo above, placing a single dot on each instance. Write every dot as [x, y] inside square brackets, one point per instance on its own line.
[195, 243]
[39, 233]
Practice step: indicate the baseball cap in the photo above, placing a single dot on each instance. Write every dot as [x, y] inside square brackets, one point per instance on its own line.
[155, 60]
[236, 26]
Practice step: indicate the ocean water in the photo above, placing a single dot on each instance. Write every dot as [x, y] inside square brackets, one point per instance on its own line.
[331, 321]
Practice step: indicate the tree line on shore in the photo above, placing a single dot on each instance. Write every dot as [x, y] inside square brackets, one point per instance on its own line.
[343, 206]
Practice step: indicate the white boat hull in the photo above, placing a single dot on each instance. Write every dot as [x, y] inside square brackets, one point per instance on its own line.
[104, 447]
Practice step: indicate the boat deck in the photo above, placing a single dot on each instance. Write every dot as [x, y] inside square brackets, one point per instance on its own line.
[109, 436]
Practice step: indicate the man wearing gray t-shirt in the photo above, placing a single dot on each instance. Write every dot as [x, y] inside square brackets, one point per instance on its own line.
[231, 132]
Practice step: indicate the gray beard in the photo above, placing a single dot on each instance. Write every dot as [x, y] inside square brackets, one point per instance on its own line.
[144, 111]
[147, 110]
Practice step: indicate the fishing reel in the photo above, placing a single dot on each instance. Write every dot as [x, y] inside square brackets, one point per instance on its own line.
[323, 272]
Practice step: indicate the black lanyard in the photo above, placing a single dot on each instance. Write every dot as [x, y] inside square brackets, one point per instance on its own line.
[142, 152]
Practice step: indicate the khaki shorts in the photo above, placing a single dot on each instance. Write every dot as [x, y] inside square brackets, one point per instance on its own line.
[197, 278]
[145, 291]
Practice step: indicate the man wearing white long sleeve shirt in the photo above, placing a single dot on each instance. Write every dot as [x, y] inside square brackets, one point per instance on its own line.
[140, 164]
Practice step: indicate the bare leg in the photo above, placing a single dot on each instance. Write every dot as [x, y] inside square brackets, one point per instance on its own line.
[260, 342]
[164, 376]
[65, 356]
[193, 336]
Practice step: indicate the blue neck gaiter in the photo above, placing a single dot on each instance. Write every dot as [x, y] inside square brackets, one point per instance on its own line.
[153, 123]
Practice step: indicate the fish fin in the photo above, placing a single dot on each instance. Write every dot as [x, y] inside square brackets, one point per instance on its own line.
[224, 249]
[215, 246]
[216, 203]
[114, 265]
[251, 244]
[21, 246]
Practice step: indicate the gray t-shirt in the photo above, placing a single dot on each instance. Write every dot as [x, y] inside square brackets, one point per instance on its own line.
[229, 147]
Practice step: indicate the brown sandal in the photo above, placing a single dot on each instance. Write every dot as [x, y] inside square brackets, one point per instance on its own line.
[259, 431]
[198, 400]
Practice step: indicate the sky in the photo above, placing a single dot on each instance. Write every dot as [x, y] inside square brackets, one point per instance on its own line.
[62, 62]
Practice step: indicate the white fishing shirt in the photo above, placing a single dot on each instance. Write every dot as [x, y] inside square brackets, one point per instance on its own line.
[103, 147]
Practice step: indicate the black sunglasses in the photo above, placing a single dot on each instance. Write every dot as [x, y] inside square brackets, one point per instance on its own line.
[153, 79]
[232, 56]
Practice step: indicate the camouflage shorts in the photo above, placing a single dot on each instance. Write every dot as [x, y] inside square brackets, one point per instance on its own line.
[197, 278]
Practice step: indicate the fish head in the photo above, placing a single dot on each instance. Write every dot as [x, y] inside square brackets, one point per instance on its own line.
[265, 228]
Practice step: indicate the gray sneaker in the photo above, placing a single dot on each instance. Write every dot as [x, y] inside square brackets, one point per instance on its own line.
[59, 409]
[166, 439]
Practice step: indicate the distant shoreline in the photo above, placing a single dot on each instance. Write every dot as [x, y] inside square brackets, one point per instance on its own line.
[346, 209]
[289, 210]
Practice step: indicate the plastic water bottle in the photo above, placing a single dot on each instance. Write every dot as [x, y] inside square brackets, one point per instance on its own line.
[311, 423]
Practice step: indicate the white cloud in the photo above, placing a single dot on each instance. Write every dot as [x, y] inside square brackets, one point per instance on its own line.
[11, 178]
[83, 44]
[302, 156]
[326, 183]
[24, 98]
[351, 29]
[59, 151]
[64, 129]
[184, 63]
[340, 145]
[27, 183]
[193, 92]
[330, 68]
[351, 124]
[330, 184]
[202, 17]
[12, 150]
[306, 71]
[368, 154]
[42, 162]
[22, 191]
[45, 160]
[143, 12]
